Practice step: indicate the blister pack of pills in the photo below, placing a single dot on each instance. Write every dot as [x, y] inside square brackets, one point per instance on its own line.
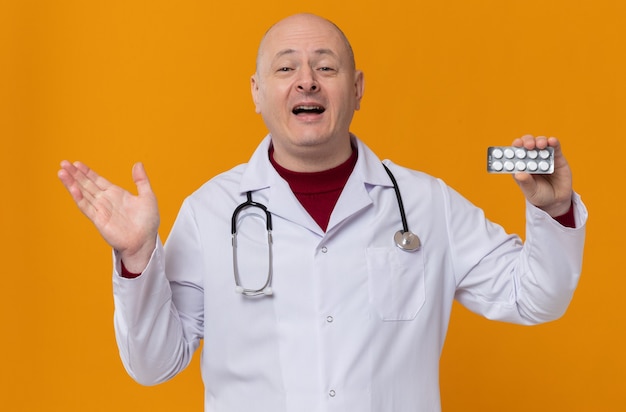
[511, 159]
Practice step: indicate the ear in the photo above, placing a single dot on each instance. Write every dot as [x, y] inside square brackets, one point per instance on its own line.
[359, 88]
[254, 89]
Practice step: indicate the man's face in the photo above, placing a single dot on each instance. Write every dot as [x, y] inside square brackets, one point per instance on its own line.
[306, 87]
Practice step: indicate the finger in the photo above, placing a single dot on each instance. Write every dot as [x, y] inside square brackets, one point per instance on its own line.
[524, 141]
[70, 176]
[554, 142]
[89, 183]
[64, 174]
[529, 142]
[89, 191]
[140, 177]
[541, 142]
[69, 182]
[79, 181]
[559, 158]
[97, 180]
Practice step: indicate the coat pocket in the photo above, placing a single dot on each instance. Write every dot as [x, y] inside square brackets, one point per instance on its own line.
[396, 282]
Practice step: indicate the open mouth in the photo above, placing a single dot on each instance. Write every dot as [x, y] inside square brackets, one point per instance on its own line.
[306, 109]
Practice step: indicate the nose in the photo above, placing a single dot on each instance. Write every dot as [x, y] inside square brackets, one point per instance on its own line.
[307, 83]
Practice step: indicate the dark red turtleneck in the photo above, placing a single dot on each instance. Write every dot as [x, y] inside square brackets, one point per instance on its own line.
[318, 191]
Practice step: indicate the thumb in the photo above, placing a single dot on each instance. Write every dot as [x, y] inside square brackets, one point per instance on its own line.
[140, 177]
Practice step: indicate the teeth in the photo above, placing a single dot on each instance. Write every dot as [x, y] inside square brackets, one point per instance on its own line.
[301, 109]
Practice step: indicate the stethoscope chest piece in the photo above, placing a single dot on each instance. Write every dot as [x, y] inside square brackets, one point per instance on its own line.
[407, 240]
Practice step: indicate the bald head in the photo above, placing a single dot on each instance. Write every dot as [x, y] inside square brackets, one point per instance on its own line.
[298, 22]
[306, 88]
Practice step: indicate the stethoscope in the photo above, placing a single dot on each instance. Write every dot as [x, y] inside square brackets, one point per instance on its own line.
[404, 239]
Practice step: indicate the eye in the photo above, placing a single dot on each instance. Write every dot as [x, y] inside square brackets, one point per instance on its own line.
[326, 69]
[284, 69]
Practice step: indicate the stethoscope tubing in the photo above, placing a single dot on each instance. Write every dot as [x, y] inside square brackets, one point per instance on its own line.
[404, 239]
[405, 225]
[266, 289]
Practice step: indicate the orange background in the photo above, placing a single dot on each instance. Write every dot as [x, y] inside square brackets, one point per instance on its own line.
[167, 83]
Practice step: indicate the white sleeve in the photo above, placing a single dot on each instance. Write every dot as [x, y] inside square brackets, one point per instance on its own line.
[158, 322]
[503, 279]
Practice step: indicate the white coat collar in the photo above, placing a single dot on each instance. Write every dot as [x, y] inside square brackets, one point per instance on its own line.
[260, 174]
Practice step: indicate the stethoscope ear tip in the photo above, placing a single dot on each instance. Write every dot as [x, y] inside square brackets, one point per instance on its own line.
[268, 291]
[239, 289]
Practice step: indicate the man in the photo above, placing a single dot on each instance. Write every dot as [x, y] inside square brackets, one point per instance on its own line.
[331, 314]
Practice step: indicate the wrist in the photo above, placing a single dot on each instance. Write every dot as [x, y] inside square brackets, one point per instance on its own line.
[556, 210]
[567, 219]
[137, 261]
